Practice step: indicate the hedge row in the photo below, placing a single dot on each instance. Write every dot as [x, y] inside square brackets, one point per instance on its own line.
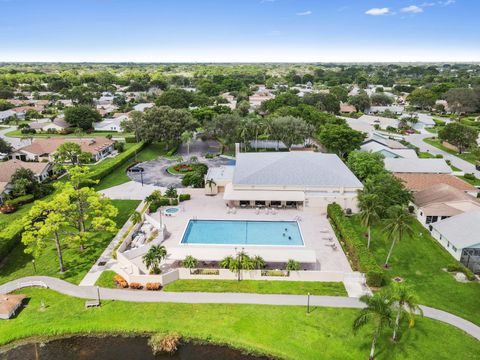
[21, 200]
[358, 253]
[107, 166]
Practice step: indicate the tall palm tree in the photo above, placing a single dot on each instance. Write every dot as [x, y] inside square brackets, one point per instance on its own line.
[154, 257]
[136, 217]
[397, 226]
[369, 209]
[406, 304]
[258, 262]
[378, 312]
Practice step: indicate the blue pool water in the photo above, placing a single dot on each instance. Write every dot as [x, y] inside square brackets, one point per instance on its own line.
[236, 232]
[171, 210]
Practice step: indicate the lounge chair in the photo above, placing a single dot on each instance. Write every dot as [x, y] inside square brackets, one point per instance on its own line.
[257, 211]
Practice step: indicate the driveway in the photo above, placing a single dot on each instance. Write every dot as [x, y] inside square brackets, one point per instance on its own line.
[417, 140]
[14, 141]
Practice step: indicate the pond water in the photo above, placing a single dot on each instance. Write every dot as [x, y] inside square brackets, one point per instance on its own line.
[117, 348]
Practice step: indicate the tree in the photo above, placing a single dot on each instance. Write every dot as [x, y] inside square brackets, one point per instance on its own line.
[243, 108]
[80, 176]
[290, 130]
[89, 213]
[136, 217]
[82, 116]
[293, 265]
[5, 147]
[381, 99]
[133, 124]
[258, 262]
[5, 105]
[24, 182]
[153, 258]
[210, 183]
[175, 98]
[164, 124]
[397, 227]
[422, 98]
[406, 303]
[225, 128]
[190, 262]
[360, 101]
[365, 164]
[369, 209]
[72, 153]
[378, 312]
[462, 100]
[340, 139]
[46, 222]
[460, 135]
[390, 192]
[186, 138]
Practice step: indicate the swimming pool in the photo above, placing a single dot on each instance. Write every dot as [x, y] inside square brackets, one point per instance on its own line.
[243, 232]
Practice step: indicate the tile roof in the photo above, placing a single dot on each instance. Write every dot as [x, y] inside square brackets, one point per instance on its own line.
[436, 166]
[50, 145]
[417, 182]
[442, 193]
[8, 168]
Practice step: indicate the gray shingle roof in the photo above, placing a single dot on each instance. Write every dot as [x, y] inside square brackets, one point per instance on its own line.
[435, 166]
[293, 169]
[461, 230]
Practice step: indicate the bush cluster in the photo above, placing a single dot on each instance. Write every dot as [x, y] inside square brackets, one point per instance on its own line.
[120, 281]
[457, 267]
[184, 197]
[153, 286]
[358, 253]
[21, 200]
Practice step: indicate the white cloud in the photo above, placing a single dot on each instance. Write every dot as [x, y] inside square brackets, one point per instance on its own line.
[378, 11]
[447, 2]
[412, 9]
[304, 13]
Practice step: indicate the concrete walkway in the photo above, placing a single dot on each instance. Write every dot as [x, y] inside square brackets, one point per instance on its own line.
[131, 190]
[417, 140]
[91, 292]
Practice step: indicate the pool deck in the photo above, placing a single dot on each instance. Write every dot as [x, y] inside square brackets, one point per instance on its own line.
[314, 226]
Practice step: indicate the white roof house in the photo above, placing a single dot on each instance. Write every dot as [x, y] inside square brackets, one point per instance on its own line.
[4, 115]
[113, 124]
[459, 233]
[396, 109]
[381, 121]
[310, 179]
[143, 106]
[432, 166]
[387, 152]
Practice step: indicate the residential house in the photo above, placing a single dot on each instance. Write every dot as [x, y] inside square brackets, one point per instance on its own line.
[143, 106]
[347, 108]
[459, 235]
[291, 179]
[418, 181]
[395, 109]
[232, 102]
[43, 149]
[396, 151]
[112, 124]
[380, 121]
[408, 165]
[58, 125]
[442, 201]
[7, 115]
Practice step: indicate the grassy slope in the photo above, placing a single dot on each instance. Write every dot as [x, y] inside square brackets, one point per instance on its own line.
[261, 287]
[119, 176]
[471, 158]
[19, 264]
[106, 279]
[286, 332]
[420, 261]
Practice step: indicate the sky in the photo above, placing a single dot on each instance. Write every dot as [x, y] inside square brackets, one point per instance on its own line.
[240, 30]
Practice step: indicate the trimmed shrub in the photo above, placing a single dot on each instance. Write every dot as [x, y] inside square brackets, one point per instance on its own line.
[135, 285]
[469, 176]
[439, 156]
[130, 139]
[358, 253]
[25, 199]
[153, 286]
[120, 281]
[205, 272]
[457, 267]
[184, 197]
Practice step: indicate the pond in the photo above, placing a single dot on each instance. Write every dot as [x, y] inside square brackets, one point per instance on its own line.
[117, 348]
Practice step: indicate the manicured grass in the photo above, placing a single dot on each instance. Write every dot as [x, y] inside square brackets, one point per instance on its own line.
[420, 261]
[260, 287]
[471, 158]
[18, 133]
[6, 219]
[18, 264]
[106, 279]
[475, 182]
[119, 176]
[285, 332]
[425, 155]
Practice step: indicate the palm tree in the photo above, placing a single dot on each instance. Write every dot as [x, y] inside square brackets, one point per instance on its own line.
[136, 217]
[378, 312]
[154, 257]
[190, 262]
[397, 226]
[258, 262]
[186, 137]
[406, 303]
[210, 183]
[369, 209]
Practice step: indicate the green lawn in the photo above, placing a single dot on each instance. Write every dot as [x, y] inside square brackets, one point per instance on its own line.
[474, 182]
[6, 219]
[471, 158]
[106, 279]
[18, 133]
[425, 155]
[420, 261]
[260, 287]
[119, 176]
[18, 264]
[285, 332]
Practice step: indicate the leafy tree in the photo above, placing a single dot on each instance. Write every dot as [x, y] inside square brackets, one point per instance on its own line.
[309, 113]
[89, 212]
[381, 99]
[72, 153]
[369, 212]
[164, 124]
[225, 128]
[171, 192]
[324, 102]
[406, 303]
[284, 99]
[462, 100]
[82, 116]
[460, 135]
[24, 182]
[397, 226]
[422, 98]
[175, 98]
[153, 258]
[32, 114]
[364, 164]
[46, 222]
[390, 191]
[80, 176]
[136, 217]
[5, 105]
[379, 313]
[5, 147]
[243, 108]
[360, 101]
[340, 139]
[290, 130]
[133, 124]
[186, 138]
[340, 92]
[258, 262]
